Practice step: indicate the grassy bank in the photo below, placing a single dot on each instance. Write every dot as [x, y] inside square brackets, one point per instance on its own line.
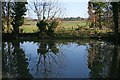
[67, 29]
[30, 26]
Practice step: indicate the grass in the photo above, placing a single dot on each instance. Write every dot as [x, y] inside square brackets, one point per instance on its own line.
[73, 24]
[29, 29]
[67, 29]
[30, 26]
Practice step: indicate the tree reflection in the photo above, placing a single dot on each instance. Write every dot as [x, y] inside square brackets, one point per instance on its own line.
[115, 64]
[50, 60]
[103, 60]
[14, 63]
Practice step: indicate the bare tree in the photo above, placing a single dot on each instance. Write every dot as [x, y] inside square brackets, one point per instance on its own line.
[48, 9]
[48, 14]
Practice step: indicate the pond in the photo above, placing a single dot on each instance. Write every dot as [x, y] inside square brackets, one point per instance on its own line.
[60, 59]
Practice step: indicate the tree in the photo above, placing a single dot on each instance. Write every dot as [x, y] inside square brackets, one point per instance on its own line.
[14, 61]
[96, 11]
[51, 26]
[102, 60]
[6, 12]
[100, 14]
[18, 12]
[8, 17]
[3, 16]
[50, 9]
[115, 9]
[100, 11]
[48, 12]
[42, 25]
[92, 14]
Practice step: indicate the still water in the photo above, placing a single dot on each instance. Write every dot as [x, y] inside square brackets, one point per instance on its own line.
[60, 59]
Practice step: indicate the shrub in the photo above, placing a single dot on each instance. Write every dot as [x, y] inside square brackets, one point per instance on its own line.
[47, 26]
[42, 25]
[51, 26]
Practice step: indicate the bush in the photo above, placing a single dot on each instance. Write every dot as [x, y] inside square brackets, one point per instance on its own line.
[52, 25]
[42, 25]
[47, 26]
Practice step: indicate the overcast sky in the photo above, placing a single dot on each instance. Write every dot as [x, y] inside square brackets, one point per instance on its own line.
[72, 8]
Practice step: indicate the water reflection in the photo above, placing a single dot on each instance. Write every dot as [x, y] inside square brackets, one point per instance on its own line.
[60, 59]
[104, 60]
[14, 61]
[49, 60]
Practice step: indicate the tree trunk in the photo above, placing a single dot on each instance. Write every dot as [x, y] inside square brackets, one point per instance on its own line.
[100, 26]
[115, 6]
[8, 17]
[114, 65]
[16, 31]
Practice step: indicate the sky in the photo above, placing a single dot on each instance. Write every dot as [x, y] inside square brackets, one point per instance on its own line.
[75, 9]
[72, 8]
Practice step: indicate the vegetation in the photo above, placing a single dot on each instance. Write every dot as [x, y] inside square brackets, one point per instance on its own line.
[17, 65]
[111, 8]
[42, 25]
[72, 18]
[115, 9]
[103, 23]
[102, 57]
[49, 24]
[13, 14]
[19, 10]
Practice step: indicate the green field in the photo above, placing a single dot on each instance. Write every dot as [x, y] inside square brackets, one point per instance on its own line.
[30, 26]
[70, 24]
[67, 29]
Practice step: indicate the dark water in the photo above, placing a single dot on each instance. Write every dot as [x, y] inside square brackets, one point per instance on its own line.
[60, 59]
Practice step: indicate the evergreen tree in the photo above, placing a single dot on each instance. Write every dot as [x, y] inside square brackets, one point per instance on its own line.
[18, 12]
[115, 9]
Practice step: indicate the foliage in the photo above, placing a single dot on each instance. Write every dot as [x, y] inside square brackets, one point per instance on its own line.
[72, 18]
[6, 12]
[3, 15]
[115, 9]
[102, 60]
[42, 25]
[47, 26]
[51, 26]
[18, 10]
[102, 15]
[15, 63]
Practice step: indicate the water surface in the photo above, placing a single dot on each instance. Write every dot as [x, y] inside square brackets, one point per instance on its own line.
[60, 59]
